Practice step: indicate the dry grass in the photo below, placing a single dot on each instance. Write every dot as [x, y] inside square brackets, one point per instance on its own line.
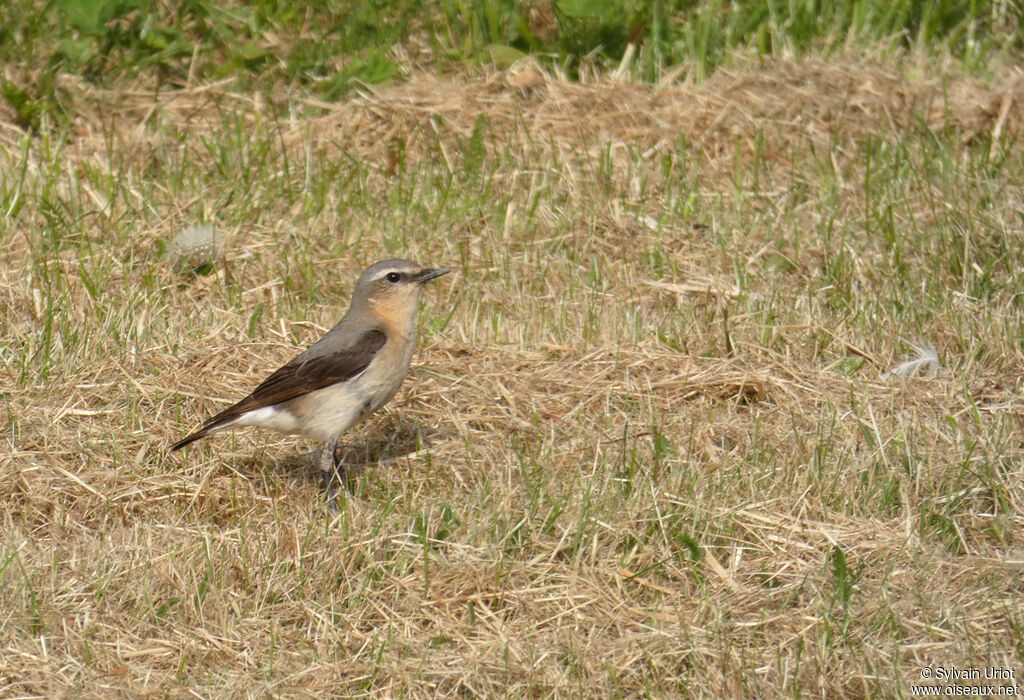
[646, 449]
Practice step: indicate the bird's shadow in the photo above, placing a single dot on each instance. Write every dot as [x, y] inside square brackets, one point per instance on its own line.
[382, 446]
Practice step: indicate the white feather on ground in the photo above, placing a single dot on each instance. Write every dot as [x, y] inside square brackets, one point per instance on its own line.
[925, 360]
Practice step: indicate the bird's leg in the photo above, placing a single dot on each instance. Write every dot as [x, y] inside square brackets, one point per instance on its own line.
[329, 469]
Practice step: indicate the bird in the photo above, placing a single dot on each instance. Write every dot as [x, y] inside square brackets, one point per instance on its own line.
[352, 371]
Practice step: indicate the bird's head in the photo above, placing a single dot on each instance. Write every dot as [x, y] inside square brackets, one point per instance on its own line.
[390, 290]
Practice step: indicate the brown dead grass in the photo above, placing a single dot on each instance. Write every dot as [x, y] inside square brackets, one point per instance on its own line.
[813, 102]
[816, 102]
[128, 572]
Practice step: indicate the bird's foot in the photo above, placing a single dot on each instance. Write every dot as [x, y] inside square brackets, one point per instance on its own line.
[330, 492]
[331, 472]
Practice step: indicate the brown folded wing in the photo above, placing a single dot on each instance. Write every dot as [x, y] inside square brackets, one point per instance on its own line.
[300, 376]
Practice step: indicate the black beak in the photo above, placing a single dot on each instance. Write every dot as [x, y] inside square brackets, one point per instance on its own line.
[427, 275]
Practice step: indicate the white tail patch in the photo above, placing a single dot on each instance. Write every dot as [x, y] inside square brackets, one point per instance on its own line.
[275, 417]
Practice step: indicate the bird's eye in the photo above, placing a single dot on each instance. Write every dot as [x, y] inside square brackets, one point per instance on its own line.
[393, 277]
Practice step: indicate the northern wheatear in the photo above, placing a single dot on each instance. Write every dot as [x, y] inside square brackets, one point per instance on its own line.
[345, 376]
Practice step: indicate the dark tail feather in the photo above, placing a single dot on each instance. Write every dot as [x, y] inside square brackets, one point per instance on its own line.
[199, 434]
[220, 420]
